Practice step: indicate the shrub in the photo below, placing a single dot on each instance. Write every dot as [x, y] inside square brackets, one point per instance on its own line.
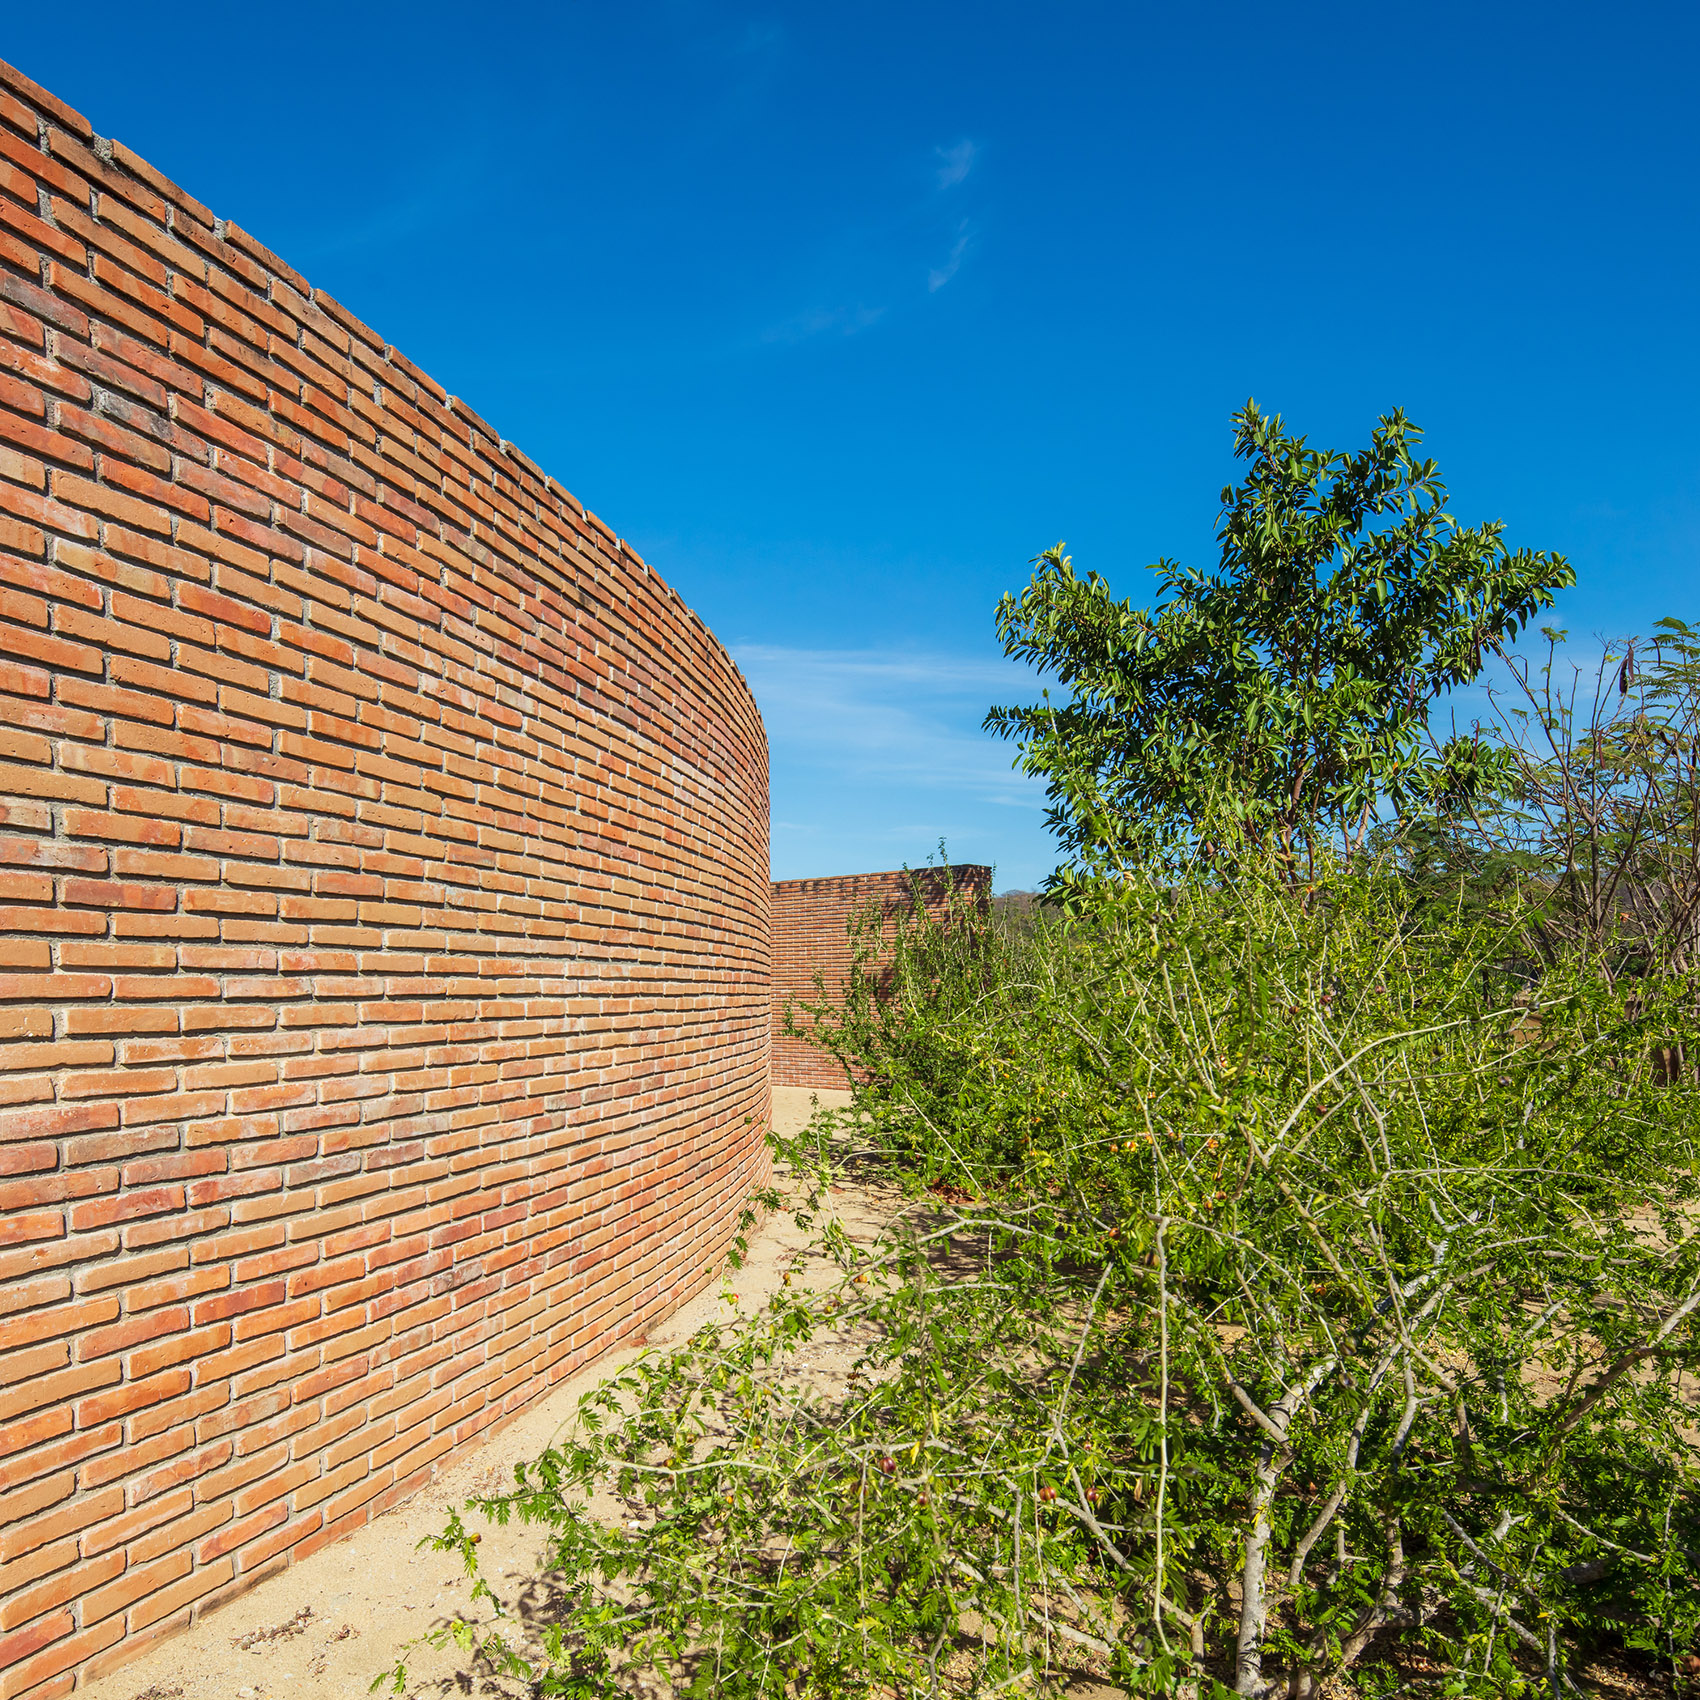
[1587, 839]
[1269, 1299]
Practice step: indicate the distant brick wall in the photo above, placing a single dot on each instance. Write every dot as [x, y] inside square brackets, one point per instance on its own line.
[812, 922]
[383, 916]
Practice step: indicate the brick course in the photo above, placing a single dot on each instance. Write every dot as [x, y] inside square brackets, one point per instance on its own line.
[812, 935]
[383, 916]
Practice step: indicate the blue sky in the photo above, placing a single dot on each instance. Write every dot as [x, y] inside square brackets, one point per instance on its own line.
[842, 313]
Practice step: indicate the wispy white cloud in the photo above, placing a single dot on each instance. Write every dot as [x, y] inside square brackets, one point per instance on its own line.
[894, 716]
[939, 276]
[874, 254]
[823, 321]
[876, 755]
[955, 162]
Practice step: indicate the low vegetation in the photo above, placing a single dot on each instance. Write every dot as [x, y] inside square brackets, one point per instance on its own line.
[1301, 1280]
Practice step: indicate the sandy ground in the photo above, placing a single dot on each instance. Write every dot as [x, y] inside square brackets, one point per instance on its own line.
[323, 1628]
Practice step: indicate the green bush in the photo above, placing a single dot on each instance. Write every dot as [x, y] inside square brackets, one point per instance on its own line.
[1278, 1293]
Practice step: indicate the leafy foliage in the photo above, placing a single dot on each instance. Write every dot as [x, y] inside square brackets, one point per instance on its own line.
[1588, 838]
[1299, 1268]
[1287, 695]
[1265, 1298]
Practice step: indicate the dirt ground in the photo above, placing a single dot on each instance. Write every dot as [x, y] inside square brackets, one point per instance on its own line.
[323, 1628]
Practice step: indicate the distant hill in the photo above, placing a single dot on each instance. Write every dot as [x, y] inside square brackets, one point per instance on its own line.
[1016, 910]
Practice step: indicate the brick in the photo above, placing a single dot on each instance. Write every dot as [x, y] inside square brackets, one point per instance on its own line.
[32, 1676]
[128, 1273]
[23, 1503]
[42, 1561]
[387, 990]
[181, 1532]
[41, 235]
[47, 1322]
[21, 1643]
[23, 1533]
[33, 1225]
[63, 1589]
[43, 305]
[110, 503]
[50, 106]
[133, 1331]
[128, 1083]
[119, 1527]
[812, 921]
[239, 1534]
[139, 1582]
[62, 1450]
[179, 1348]
[205, 1580]
[35, 1361]
[25, 1295]
[31, 1437]
[131, 1396]
[32, 380]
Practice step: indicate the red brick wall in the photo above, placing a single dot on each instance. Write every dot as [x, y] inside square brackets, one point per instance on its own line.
[383, 916]
[812, 921]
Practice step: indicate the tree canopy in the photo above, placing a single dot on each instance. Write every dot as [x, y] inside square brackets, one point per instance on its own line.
[1286, 695]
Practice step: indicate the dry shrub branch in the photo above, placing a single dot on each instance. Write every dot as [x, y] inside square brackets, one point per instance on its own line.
[1280, 1303]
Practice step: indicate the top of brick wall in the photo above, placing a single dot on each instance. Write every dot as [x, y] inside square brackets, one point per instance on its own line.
[76, 161]
[965, 873]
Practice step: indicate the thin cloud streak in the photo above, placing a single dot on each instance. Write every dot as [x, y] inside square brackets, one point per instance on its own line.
[823, 321]
[955, 162]
[954, 165]
[876, 755]
[939, 276]
[889, 716]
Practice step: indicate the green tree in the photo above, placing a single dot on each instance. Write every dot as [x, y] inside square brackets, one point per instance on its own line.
[1285, 696]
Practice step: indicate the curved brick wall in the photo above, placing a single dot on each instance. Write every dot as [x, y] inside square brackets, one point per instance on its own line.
[383, 916]
[813, 946]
